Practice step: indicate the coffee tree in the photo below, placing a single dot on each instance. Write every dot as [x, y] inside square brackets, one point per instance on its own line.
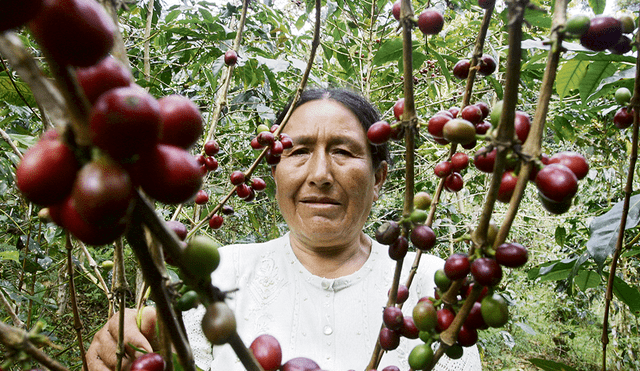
[479, 100]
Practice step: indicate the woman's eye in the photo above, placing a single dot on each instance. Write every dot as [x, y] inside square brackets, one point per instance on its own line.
[298, 151]
[342, 152]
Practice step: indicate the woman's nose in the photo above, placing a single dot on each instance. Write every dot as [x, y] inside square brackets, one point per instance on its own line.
[320, 172]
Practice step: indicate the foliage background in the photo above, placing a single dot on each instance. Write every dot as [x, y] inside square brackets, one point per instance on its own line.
[557, 299]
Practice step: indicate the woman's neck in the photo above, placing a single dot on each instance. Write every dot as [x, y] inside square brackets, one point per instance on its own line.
[332, 261]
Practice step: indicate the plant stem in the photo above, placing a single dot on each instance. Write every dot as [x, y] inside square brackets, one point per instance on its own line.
[477, 54]
[221, 101]
[120, 290]
[136, 237]
[77, 322]
[628, 189]
[44, 91]
[19, 339]
[532, 147]
[147, 42]
[505, 130]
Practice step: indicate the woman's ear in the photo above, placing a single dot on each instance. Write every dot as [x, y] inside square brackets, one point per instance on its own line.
[380, 177]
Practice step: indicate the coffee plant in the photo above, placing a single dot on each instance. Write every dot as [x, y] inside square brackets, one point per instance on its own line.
[135, 136]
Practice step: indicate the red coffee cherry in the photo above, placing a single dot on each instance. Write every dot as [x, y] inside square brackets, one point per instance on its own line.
[457, 266]
[486, 271]
[169, 174]
[125, 121]
[211, 148]
[108, 74]
[557, 182]
[430, 22]
[216, 222]
[181, 121]
[148, 362]
[443, 169]
[511, 255]
[379, 132]
[47, 172]
[393, 318]
[423, 237]
[237, 177]
[267, 351]
[74, 32]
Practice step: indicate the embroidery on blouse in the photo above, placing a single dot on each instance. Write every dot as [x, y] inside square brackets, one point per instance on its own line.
[265, 286]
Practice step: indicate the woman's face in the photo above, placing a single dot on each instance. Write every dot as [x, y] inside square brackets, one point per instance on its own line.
[326, 183]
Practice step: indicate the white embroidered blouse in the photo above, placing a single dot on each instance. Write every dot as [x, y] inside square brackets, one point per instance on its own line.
[334, 322]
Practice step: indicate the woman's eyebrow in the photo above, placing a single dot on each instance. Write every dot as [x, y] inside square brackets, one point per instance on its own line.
[334, 140]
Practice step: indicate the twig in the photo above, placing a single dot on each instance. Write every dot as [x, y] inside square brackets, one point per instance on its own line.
[94, 266]
[477, 54]
[7, 139]
[15, 87]
[503, 140]
[46, 94]
[18, 339]
[7, 306]
[121, 288]
[147, 42]
[221, 101]
[135, 236]
[628, 189]
[77, 322]
[506, 127]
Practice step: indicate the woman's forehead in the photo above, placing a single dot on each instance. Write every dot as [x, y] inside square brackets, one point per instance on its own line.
[324, 115]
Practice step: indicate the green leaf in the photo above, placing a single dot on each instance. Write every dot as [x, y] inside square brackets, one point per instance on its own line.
[443, 65]
[569, 76]
[206, 15]
[560, 235]
[301, 21]
[597, 6]
[172, 16]
[587, 279]
[627, 294]
[596, 72]
[554, 270]
[563, 128]
[496, 86]
[547, 365]
[390, 51]
[605, 229]
[537, 18]
[20, 95]
[10, 255]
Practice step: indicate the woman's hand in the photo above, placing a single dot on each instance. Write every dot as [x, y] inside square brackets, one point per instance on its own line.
[101, 355]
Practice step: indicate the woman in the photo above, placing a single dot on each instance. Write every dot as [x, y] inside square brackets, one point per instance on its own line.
[321, 288]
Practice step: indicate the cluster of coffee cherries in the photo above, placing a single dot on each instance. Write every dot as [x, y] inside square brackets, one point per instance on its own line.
[602, 32]
[135, 139]
[486, 66]
[430, 21]
[432, 316]
[208, 163]
[451, 170]
[422, 236]
[275, 145]
[556, 177]
[623, 117]
[460, 126]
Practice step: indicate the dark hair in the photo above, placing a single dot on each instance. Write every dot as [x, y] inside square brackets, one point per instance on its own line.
[367, 114]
